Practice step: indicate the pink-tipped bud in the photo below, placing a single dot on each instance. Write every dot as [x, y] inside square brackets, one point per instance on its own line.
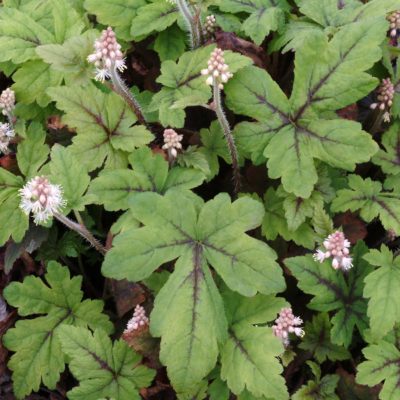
[217, 70]
[287, 323]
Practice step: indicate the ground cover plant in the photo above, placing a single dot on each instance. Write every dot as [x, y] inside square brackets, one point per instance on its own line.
[200, 199]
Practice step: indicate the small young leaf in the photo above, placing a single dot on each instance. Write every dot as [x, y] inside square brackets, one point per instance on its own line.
[381, 290]
[367, 196]
[170, 43]
[275, 223]
[318, 340]
[32, 151]
[152, 17]
[66, 171]
[102, 368]
[38, 355]
[13, 221]
[114, 188]
[382, 364]
[118, 14]
[319, 388]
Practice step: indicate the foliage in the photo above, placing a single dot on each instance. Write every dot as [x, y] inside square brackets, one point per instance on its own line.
[149, 214]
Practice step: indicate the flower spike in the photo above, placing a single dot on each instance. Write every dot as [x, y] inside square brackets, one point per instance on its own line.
[287, 323]
[337, 248]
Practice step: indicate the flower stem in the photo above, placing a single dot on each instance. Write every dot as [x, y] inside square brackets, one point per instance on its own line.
[120, 88]
[81, 230]
[190, 22]
[228, 136]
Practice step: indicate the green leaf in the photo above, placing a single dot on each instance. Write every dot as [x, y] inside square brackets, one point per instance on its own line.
[214, 146]
[389, 159]
[297, 210]
[32, 151]
[38, 355]
[114, 188]
[13, 221]
[382, 364]
[323, 83]
[181, 226]
[19, 36]
[170, 43]
[381, 290]
[192, 157]
[289, 142]
[319, 388]
[367, 196]
[70, 57]
[333, 293]
[103, 369]
[262, 22]
[32, 81]
[184, 85]
[118, 14]
[66, 171]
[275, 223]
[152, 17]
[249, 355]
[104, 125]
[323, 18]
[318, 340]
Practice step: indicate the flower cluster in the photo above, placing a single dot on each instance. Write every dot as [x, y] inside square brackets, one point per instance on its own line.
[394, 19]
[41, 198]
[107, 55]
[337, 248]
[385, 98]
[287, 323]
[217, 71]
[6, 134]
[209, 26]
[7, 101]
[138, 320]
[172, 142]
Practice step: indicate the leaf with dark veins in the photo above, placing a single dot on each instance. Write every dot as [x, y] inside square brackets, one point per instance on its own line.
[104, 125]
[332, 292]
[200, 235]
[38, 356]
[382, 364]
[367, 196]
[291, 147]
[389, 157]
[323, 70]
[249, 354]
[150, 172]
[103, 369]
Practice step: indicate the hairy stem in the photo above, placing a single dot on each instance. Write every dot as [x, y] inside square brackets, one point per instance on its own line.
[190, 22]
[228, 136]
[81, 230]
[120, 87]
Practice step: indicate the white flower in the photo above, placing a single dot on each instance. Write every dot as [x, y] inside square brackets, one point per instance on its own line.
[107, 55]
[287, 323]
[6, 134]
[337, 248]
[385, 97]
[138, 320]
[172, 142]
[217, 71]
[41, 198]
[7, 101]
[394, 19]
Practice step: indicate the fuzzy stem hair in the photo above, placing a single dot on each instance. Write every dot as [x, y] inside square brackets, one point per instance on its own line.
[81, 230]
[120, 88]
[228, 136]
[189, 19]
